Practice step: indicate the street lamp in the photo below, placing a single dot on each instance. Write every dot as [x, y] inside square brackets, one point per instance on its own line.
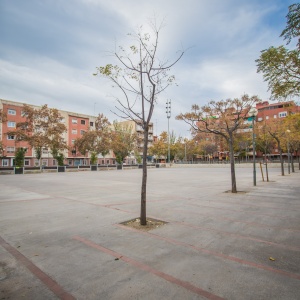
[168, 112]
[253, 113]
[288, 148]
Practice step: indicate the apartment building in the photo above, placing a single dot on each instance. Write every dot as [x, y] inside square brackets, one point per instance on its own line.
[267, 111]
[279, 110]
[75, 123]
[136, 127]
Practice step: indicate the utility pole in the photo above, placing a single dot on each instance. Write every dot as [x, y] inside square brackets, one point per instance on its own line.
[168, 112]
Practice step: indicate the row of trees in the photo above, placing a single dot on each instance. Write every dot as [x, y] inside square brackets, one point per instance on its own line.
[228, 121]
[44, 128]
[274, 135]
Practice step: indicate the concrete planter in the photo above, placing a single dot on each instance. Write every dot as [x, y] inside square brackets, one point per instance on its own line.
[61, 168]
[94, 168]
[19, 170]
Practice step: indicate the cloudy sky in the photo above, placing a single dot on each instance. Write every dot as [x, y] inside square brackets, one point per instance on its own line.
[50, 48]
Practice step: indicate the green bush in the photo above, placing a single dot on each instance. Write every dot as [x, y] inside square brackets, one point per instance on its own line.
[20, 155]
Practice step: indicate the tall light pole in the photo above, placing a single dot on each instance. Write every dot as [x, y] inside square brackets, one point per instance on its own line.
[288, 148]
[168, 112]
[253, 113]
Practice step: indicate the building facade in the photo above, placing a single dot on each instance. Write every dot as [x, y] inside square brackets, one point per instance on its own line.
[136, 127]
[76, 124]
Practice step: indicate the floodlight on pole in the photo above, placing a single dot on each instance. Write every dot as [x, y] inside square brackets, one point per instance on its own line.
[168, 112]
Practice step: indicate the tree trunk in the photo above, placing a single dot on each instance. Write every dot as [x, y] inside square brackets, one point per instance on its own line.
[232, 167]
[292, 162]
[281, 159]
[143, 219]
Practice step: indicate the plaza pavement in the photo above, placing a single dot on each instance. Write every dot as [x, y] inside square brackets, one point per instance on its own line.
[61, 236]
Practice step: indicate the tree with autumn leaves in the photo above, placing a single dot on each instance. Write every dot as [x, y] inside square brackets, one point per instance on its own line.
[42, 128]
[96, 140]
[222, 118]
[2, 120]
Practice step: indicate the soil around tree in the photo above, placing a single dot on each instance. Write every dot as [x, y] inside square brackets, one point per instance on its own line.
[151, 224]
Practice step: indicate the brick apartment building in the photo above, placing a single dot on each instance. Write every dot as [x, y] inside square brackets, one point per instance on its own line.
[279, 110]
[76, 125]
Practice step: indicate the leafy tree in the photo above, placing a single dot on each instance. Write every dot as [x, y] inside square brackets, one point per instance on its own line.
[242, 142]
[276, 130]
[42, 128]
[96, 141]
[123, 141]
[141, 77]
[159, 148]
[264, 141]
[3, 116]
[280, 66]
[19, 158]
[292, 29]
[3, 119]
[281, 69]
[208, 148]
[221, 118]
[292, 136]
[1, 149]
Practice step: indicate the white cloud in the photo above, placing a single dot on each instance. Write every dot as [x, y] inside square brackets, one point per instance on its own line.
[50, 49]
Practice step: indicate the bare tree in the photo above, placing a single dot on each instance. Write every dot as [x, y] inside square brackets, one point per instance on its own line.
[141, 77]
[221, 118]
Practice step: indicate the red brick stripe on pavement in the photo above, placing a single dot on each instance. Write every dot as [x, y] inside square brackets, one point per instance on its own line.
[37, 272]
[213, 253]
[147, 268]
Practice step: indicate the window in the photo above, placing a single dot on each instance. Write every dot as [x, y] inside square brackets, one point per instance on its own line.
[54, 162]
[11, 124]
[102, 161]
[282, 114]
[45, 162]
[107, 162]
[91, 124]
[267, 117]
[36, 162]
[82, 132]
[10, 137]
[74, 131]
[23, 114]
[70, 162]
[4, 162]
[259, 119]
[82, 122]
[74, 121]
[10, 149]
[27, 162]
[73, 142]
[275, 116]
[45, 151]
[11, 112]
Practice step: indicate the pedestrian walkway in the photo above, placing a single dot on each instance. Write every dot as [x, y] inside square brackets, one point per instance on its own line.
[61, 236]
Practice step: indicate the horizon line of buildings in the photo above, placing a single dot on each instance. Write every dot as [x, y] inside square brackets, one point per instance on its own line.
[76, 123]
